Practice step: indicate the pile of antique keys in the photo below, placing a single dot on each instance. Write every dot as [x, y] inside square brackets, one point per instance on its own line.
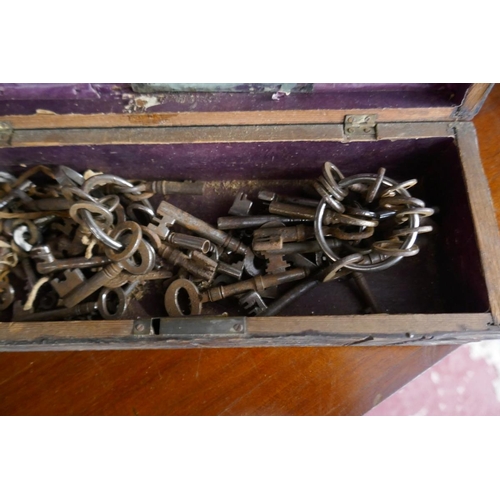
[82, 246]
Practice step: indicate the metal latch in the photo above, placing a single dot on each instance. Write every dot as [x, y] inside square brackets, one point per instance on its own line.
[6, 132]
[360, 127]
[200, 326]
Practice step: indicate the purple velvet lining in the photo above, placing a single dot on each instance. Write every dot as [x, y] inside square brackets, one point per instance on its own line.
[236, 161]
[119, 98]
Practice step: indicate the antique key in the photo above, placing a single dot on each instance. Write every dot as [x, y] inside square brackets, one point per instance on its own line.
[124, 260]
[54, 315]
[173, 214]
[174, 306]
[50, 264]
[105, 305]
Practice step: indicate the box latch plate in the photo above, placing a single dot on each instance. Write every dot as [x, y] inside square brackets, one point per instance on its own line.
[6, 132]
[360, 127]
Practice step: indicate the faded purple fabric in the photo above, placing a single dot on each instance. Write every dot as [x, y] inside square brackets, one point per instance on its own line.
[119, 98]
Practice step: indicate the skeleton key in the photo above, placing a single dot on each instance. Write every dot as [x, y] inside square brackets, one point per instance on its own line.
[196, 300]
[48, 263]
[56, 314]
[146, 257]
[107, 309]
[205, 270]
[172, 213]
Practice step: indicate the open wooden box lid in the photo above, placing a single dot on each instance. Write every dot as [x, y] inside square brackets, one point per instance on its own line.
[89, 105]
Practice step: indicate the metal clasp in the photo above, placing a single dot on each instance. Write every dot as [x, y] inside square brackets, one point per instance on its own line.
[6, 132]
[360, 127]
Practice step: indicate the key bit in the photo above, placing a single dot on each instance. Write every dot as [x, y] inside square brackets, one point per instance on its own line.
[241, 205]
[253, 303]
[73, 279]
[276, 264]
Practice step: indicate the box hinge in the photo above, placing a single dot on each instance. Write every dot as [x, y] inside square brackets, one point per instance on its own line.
[6, 132]
[360, 127]
[186, 327]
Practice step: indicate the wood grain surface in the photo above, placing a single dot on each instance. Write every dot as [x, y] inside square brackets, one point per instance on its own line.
[255, 381]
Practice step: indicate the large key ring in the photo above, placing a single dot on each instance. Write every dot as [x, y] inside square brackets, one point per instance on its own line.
[385, 263]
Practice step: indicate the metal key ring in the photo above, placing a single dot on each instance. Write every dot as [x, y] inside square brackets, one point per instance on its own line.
[90, 208]
[135, 207]
[103, 179]
[361, 212]
[335, 204]
[103, 306]
[344, 262]
[371, 194]
[110, 201]
[383, 264]
[347, 236]
[142, 261]
[72, 192]
[354, 221]
[418, 230]
[99, 233]
[391, 247]
[134, 239]
[328, 170]
[422, 212]
[402, 186]
[333, 189]
[398, 201]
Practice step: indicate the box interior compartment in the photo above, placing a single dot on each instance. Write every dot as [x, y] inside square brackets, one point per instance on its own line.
[86, 98]
[445, 277]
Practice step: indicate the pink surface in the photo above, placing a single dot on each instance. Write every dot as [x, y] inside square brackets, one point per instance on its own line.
[466, 382]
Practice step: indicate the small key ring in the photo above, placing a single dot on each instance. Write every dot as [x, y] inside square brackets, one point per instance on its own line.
[335, 204]
[402, 186]
[90, 208]
[344, 262]
[392, 248]
[132, 244]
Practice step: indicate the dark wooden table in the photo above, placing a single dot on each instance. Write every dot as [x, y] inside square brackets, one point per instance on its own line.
[263, 381]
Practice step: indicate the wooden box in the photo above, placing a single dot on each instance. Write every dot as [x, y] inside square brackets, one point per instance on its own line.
[255, 136]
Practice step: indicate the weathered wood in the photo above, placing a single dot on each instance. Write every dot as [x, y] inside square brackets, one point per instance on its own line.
[368, 330]
[176, 135]
[393, 131]
[214, 135]
[483, 213]
[473, 100]
[411, 324]
[187, 119]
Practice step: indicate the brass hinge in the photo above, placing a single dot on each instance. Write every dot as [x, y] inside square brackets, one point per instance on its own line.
[360, 127]
[6, 132]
